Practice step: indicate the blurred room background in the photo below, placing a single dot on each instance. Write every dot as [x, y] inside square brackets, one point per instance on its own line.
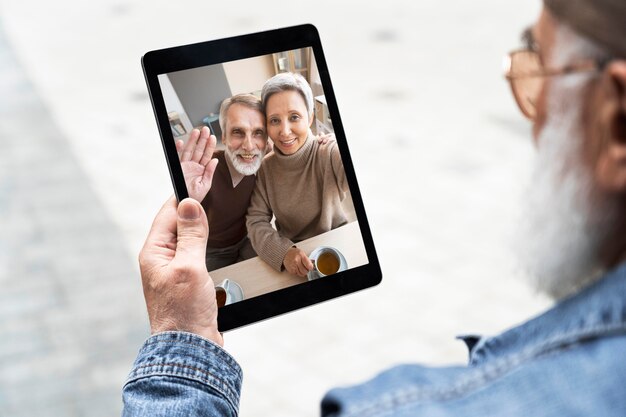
[441, 152]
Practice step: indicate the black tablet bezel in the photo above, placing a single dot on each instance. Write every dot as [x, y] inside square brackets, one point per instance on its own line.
[240, 47]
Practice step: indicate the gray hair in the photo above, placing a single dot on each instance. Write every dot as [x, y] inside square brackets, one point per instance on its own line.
[571, 46]
[247, 100]
[288, 81]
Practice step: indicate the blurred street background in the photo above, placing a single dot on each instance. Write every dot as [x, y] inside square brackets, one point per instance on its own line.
[441, 152]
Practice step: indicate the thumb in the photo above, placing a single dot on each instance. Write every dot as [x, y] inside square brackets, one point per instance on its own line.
[192, 232]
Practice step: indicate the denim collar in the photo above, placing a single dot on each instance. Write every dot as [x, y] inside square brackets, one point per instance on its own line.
[596, 311]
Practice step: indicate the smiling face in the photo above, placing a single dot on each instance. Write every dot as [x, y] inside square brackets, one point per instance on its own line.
[245, 138]
[288, 121]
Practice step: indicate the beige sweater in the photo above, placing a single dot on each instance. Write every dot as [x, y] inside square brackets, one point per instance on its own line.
[304, 191]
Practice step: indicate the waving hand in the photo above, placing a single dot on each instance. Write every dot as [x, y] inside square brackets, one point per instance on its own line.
[197, 162]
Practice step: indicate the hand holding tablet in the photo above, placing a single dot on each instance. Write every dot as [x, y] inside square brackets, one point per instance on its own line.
[245, 125]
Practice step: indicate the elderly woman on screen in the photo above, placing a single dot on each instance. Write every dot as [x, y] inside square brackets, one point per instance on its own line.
[302, 183]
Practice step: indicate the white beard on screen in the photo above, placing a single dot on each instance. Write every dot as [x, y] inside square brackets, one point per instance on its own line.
[566, 223]
[242, 167]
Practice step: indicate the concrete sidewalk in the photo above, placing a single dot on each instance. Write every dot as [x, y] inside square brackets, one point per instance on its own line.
[71, 313]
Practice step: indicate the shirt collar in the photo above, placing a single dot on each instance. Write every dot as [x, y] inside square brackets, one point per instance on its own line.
[235, 175]
[596, 311]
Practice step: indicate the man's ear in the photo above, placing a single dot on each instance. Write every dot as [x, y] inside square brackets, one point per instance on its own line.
[611, 128]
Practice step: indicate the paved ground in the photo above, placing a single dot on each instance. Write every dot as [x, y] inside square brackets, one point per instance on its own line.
[67, 281]
[440, 150]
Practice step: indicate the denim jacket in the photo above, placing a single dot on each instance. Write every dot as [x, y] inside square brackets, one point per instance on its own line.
[180, 374]
[569, 361]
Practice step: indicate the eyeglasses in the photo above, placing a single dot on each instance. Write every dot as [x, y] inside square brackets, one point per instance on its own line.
[526, 74]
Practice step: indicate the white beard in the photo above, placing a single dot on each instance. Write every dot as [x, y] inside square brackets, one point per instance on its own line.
[567, 224]
[242, 167]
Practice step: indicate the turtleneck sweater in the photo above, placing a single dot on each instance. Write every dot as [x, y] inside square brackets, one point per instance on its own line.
[303, 191]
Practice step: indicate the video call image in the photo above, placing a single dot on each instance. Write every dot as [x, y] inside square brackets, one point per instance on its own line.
[278, 202]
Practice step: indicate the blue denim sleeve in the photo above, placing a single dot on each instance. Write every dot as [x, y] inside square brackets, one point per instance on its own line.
[182, 374]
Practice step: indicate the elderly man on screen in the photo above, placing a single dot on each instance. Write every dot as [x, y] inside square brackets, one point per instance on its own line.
[570, 80]
[223, 181]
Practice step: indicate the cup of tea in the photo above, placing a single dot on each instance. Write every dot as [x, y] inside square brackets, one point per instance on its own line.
[222, 293]
[326, 261]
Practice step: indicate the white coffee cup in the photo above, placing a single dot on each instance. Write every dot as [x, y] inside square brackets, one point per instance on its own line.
[326, 261]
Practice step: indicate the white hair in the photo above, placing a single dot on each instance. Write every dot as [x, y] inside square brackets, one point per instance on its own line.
[288, 81]
[567, 223]
[248, 100]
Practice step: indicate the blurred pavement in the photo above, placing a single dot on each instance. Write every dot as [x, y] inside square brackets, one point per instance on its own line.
[441, 152]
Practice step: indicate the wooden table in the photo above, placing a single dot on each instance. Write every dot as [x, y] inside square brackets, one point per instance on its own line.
[256, 277]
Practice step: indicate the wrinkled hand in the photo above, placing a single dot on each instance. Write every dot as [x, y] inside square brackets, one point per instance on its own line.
[297, 262]
[197, 162]
[323, 139]
[179, 293]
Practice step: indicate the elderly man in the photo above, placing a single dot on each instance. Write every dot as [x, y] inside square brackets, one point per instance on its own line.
[225, 189]
[570, 80]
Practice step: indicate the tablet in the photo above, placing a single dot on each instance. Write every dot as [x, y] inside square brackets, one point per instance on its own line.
[287, 226]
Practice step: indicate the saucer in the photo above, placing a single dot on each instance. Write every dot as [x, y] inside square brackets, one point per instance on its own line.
[235, 291]
[312, 274]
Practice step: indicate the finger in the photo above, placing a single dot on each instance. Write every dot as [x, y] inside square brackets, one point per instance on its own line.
[201, 145]
[208, 151]
[307, 263]
[292, 266]
[190, 146]
[192, 233]
[296, 268]
[209, 171]
[163, 229]
[288, 267]
[302, 271]
[179, 146]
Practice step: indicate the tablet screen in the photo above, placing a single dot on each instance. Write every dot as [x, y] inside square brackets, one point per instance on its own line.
[279, 206]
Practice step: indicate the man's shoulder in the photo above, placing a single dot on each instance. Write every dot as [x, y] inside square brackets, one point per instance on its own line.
[590, 374]
[568, 360]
